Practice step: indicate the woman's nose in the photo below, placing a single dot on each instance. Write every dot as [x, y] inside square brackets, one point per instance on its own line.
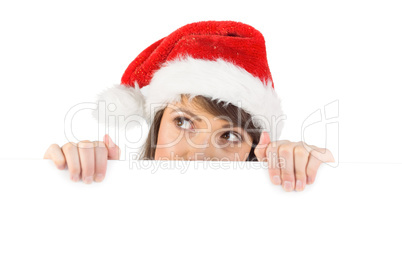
[199, 146]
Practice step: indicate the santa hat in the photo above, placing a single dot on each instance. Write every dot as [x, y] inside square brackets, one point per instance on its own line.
[223, 60]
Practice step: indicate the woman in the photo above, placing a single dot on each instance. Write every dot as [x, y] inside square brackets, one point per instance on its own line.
[208, 94]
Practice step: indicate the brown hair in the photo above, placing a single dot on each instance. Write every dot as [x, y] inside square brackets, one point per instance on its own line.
[227, 110]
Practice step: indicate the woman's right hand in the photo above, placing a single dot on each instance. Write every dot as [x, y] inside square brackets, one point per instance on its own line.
[86, 160]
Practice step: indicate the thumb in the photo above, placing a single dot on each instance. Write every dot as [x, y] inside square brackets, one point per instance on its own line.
[113, 150]
[261, 149]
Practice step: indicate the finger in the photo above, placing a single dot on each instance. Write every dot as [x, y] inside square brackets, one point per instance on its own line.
[317, 156]
[260, 149]
[54, 153]
[70, 152]
[287, 170]
[301, 156]
[322, 154]
[87, 160]
[113, 150]
[100, 160]
[274, 163]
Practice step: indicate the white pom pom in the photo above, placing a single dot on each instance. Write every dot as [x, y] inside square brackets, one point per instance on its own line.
[121, 103]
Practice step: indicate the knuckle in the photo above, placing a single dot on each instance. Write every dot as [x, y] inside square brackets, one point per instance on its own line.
[99, 144]
[85, 144]
[101, 148]
[277, 144]
[68, 147]
[49, 152]
[302, 143]
[54, 146]
[285, 150]
[300, 151]
[271, 149]
[273, 144]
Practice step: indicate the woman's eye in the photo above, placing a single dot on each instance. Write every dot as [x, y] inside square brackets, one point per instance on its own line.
[183, 122]
[235, 137]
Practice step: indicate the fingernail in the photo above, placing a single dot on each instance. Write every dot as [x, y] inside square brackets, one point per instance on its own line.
[88, 179]
[75, 178]
[288, 186]
[99, 177]
[276, 179]
[299, 185]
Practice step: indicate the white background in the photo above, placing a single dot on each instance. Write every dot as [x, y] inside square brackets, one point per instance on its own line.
[54, 55]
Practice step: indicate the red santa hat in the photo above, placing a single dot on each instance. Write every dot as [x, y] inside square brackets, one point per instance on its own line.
[223, 60]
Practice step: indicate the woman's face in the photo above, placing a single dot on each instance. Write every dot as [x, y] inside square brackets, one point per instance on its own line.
[188, 133]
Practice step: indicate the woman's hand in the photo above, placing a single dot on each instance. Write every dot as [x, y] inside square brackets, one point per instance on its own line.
[86, 160]
[292, 164]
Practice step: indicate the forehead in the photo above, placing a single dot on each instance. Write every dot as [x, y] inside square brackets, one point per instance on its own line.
[188, 106]
[194, 111]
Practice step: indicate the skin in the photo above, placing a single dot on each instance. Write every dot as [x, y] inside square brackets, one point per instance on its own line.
[86, 160]
[290, 164]
[201, 137]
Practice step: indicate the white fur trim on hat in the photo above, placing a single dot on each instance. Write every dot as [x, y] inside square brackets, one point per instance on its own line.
[219, 80]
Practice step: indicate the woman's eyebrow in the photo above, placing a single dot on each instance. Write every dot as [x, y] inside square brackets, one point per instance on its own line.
[229, 125]
[188, 112]
[199, 119]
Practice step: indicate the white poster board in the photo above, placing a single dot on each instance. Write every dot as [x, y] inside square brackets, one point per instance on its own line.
[207, 216]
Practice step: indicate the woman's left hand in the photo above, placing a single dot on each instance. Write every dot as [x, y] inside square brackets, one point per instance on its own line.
[292, 164]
